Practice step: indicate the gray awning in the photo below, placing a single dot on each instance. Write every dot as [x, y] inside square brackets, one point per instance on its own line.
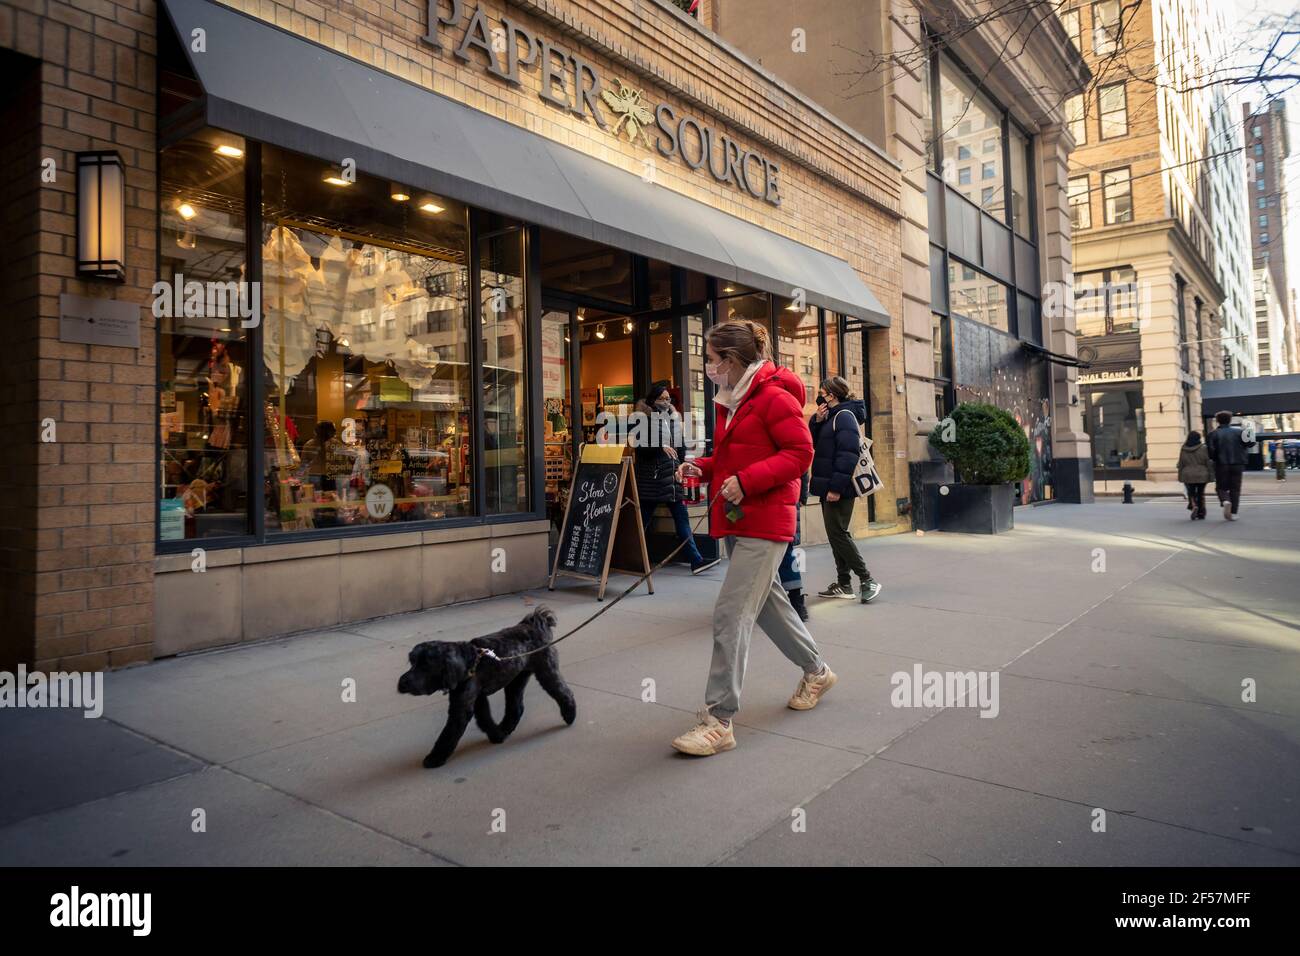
[1262, 395]
[272, 86]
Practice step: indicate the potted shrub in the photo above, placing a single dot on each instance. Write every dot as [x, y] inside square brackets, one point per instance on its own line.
[988, 452]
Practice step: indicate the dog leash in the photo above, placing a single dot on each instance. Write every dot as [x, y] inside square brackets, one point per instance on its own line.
[487, 652]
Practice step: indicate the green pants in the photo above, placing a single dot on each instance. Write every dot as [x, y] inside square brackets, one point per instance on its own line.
[848, 559]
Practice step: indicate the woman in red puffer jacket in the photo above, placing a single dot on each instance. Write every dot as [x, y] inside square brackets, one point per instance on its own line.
[761, 448]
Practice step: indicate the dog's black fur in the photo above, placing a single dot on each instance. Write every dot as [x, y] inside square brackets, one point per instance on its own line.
[443, 665]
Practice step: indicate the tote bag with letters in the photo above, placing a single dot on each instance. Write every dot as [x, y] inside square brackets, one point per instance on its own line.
[866, 480]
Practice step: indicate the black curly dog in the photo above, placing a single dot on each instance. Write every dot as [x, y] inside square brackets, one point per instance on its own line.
[443, 665]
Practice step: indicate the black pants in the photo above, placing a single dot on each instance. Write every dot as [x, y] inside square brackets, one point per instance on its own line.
[1227, 483]
[1196, 498]
[848, 559]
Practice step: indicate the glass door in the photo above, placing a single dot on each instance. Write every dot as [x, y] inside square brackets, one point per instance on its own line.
[560, 433]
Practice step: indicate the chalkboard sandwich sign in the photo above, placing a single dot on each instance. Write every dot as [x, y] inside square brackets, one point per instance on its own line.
[604, 484]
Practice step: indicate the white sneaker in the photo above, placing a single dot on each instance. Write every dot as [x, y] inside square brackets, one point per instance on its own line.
[708, 737]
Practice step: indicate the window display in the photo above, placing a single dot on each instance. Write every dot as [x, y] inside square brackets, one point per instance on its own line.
[505, 371]
[203, 345]
[366, 356]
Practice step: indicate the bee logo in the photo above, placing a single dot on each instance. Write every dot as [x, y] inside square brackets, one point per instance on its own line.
[626, 104]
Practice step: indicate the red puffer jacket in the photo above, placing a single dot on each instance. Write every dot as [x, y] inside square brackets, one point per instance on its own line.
[768, 447]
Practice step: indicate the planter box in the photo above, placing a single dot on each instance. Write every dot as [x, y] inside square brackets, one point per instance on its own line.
[977, 509]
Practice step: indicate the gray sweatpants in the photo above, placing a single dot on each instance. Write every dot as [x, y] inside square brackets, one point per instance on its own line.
[752, 594]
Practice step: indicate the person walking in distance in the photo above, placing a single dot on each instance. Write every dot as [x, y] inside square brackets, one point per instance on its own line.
[657, 459]
[1195, 472]
[760, 448]
[1227, 449]
[837, 441]
[790, 572]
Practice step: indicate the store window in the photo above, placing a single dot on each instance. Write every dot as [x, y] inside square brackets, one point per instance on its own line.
[1117, 196]
[1117, 427]
[798, 339]
[504, 356]
[976, 296]
[753, 305]
[1080, 204]
[366, 349]
[203, 355]
[557, 412]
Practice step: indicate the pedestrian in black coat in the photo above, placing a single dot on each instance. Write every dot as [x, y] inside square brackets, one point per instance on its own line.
[657, 458]
[837, 443]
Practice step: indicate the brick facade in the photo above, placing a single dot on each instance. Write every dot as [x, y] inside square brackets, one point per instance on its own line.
[78, 557]
[78, 517]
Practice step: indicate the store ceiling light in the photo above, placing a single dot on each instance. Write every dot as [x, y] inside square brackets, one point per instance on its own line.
[234, 152]
[628, 326]
[186, 211]
[728, 289]
[398, 193]
[334, 180]
[600, 331]
[432, 207]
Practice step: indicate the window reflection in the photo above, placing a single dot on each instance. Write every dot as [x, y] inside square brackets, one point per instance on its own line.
[203, 354]
[366, 349]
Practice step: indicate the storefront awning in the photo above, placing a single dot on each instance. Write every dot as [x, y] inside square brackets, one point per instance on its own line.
[270, 85]
[1262, 395]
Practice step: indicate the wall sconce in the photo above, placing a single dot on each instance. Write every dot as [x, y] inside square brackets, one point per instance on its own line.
[101, 216]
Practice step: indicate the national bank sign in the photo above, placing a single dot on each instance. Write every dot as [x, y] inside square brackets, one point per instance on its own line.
[571, 82]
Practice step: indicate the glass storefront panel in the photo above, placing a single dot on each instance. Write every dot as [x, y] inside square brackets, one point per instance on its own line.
[203, 355]
[1117, 427]
[798, 340]
[831, 332]
[366, 359]
[608, 372]
[557, 408]
[696, 324]
[504, 354]
[753, 306]
[581, 267]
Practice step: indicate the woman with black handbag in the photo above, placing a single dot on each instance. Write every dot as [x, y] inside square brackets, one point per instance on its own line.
[657, 458]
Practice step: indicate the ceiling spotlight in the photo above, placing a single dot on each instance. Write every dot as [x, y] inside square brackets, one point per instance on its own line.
[334, 180]
[234, 152]
[728, 289]
[628, 326]
[430, 206]
[186, 211]
[600, 331]
[398, 193]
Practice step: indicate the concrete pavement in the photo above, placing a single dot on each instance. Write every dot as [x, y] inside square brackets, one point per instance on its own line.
[1121, 635]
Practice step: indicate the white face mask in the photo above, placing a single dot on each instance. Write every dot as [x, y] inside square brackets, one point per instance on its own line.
[717, 377]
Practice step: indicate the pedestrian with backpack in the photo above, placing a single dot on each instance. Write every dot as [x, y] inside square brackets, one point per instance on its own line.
[837, 450]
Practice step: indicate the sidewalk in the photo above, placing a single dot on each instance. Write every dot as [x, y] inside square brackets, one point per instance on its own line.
[1120, 689]
[1252, 483]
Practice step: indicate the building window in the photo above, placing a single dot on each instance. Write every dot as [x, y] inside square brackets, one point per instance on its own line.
[367, 399]
[1117, 196]
[1259, 167]
[976, 296]
[1259, 149]
[1070, 20]
[986, 195]
[1112, 106]
[1106, 27]
[1106, 302]
[1021, 217]
[1080, 204]
[1074, 118]
[504, 358]
[1263, 220]
[1263, 238]
[1255, 132]
[976, 121]
[204, 360]
[1263, 203]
